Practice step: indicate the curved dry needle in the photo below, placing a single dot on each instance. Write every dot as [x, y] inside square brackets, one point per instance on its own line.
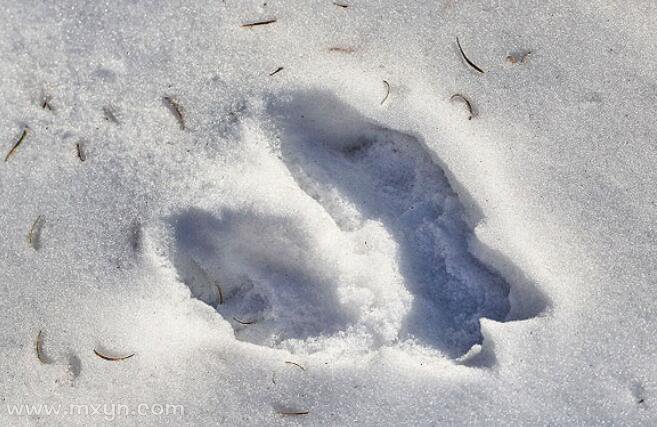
[33, 235]
[17, 144]
[470, 63]
[175, 109]
[295, 364]
[243, 322]
[112, 358]
[467, 103]
[385, 82]
[276, 71]
[38, 345]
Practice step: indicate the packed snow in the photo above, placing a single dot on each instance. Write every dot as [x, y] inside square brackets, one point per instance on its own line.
[313, 212]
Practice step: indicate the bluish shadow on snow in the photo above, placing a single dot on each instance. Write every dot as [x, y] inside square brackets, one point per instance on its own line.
[393, 178]
[259, 272]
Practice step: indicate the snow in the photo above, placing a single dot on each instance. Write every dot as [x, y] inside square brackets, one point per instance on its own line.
[267, 245]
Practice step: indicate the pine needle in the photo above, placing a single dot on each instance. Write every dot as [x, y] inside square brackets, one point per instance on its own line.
[33, 237]
[296, 364]
[45, 104]
[17, 144]
[112, 358]
[82, 155]
[293, 412]
[176, 110]
[258, 23]
[38, 345]
[244, 322]
[470, 63]
[387, 91]
[467, 103]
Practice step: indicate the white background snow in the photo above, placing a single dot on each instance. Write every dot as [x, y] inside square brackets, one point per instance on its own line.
[420, 267]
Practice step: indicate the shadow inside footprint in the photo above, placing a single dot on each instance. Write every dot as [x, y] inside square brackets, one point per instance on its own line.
[263, 273]
[359, 171]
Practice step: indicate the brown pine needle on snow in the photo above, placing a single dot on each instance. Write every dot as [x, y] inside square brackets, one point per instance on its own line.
[470, 63]
[293, 412]
[34, 235]
[243, 322]
[387, 85]
[467, 103]
[295, 364]
[82, 155]
[21, 139]
[176, 110]
[258, 23]
[45, 104]
[112, 358]
[38, 345]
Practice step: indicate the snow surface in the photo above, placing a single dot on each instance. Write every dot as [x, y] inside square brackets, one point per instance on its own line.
[414, 265]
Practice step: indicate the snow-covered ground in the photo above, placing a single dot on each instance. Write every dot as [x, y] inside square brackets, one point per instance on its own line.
[298, 222]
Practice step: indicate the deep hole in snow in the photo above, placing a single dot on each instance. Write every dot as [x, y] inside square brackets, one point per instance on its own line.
[276, 283]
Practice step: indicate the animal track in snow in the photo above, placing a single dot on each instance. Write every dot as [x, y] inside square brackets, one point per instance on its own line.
[263, 273]
[275, 278]
[360, 171]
